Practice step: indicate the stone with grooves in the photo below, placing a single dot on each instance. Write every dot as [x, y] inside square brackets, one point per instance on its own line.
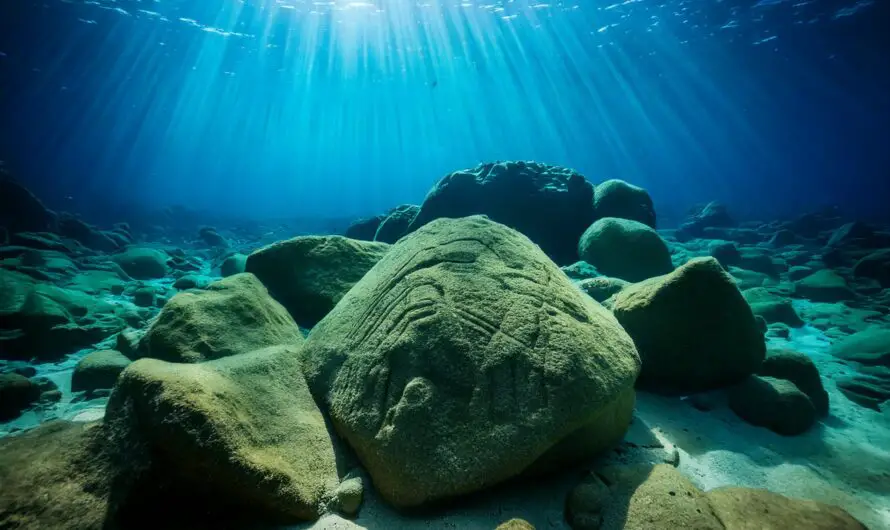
[143, 263]
[551, 205]
[625, 249]
[616, 198]
[776, 404]
[98, 370]
[693, 329]
[244, 427]
[234, 315]
[465, 357]
[309, 274]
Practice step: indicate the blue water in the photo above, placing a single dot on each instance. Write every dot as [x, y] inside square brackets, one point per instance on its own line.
[268, 108]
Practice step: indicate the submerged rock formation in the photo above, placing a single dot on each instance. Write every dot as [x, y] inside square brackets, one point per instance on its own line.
[625, 249]
[616, 198]
[692, 327]
[231, 316]
[310, 274]
[467, 342]
[396, 223]
[551, 205]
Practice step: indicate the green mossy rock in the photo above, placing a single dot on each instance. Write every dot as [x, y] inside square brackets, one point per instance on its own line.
[243, 430]
[625, 249]
[776, 404]
[98, 370]
[54, 477]
[233, 315]
[616, 198]
[824, 286]
[466, 342]
[232, 265]
[748, 509]
[143, 263]
[308, 275]
[692, 327]
[772, 307]
[800, 370]
[16, 394]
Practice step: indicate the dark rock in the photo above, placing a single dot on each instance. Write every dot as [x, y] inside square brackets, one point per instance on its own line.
[625, 249]
[778, 330]
[396, 223]
[16, 394]
[602, 287]
[143, 263]
[772, 307]
[309, 274]
[762, 325]
[39, 240]
[870, 347]
[51, 396]
[799, 272]
[586, 502]
[551, 205]
[876, 266]
[190, 281]
[712, 214]
[824, 286]
[210, 236]
[21, 211]
[45, 384]
[759, 262]
[745, 236]
[616, 198]
[86, 234]
[127, 341]
[693, 329]
[800, 370]
[364, 229]
[144, 297]
[776, 404]
[99, 369]
[234, 315]
[783, 238]
[856, 234]
[810, 225]
[232, 265]
[725, 252]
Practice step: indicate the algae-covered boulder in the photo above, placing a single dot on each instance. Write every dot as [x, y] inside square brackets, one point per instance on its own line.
[625, 249]
[16, 394]
[776, 404]
[143, 263]
[364, 229]
[309, 274]
[396, 223]
[98, 370]
[551, 205]
[824, 286]
[616, 198]
[800, 370]
[55, 476]
[233, 315]
[243, 430]
[772, 307]
[232, 265]
[692, 327]
[465, 357]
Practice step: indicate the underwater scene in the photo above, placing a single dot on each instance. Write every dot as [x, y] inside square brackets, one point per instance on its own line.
[445, 264]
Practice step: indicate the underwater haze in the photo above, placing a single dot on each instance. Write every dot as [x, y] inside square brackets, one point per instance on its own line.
[343, 108]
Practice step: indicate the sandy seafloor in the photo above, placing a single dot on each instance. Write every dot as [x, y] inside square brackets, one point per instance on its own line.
[843, 460]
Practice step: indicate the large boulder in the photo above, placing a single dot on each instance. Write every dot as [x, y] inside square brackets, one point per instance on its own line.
[466, 342]
[310, 274]
[551, 205]
[233, 315]
[625, 249]
[396, 223]
[776, 404]
[772, 307]
[87, 234]
[143, 263]
[364, 229]
[800, 370]
[232, 265]
[98, 370]
[710, 215]
[616, 198]
[692, 327]
[243, 430]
